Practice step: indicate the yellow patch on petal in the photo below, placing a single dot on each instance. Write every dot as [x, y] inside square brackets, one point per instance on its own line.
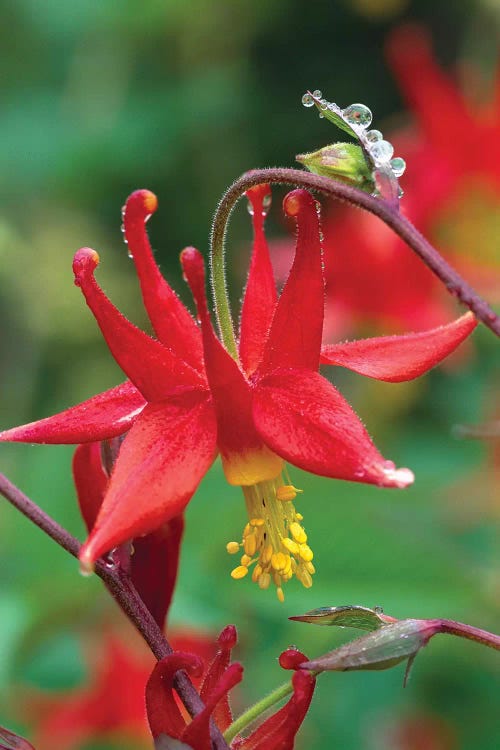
[245, 469]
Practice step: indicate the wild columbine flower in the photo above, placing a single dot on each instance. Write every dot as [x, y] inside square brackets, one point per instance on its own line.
[167, 723]
[188, 398]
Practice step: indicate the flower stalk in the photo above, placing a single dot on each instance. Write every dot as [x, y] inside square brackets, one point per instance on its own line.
[455, 284]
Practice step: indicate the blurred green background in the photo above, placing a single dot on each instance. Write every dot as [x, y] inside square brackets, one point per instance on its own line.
[99, 98]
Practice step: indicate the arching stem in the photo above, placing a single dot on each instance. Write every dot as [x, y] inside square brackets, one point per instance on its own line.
[455, 284]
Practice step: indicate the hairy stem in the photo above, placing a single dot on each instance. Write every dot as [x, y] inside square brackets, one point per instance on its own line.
[455, 284]
[468, 631]
[123, 591]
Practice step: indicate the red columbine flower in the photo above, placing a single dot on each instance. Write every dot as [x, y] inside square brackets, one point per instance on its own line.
[165, 720]
[188, 399]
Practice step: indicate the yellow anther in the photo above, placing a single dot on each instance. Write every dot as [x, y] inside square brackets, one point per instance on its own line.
[239, 572]
[299, 516]
[264, 581]
[280, 594]
[290, 545]
[256, 574]
[278, 561]
[247, 530]
[233, 547]
[310, 567]
[250, 544]
[287, 492]
[305, 552]
[298, 533]
[257, 522]
[287, 570]
[246, 560]
[306, 579]
[267, 554]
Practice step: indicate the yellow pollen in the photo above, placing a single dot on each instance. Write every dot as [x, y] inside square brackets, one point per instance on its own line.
[239, 572]
[274, 542]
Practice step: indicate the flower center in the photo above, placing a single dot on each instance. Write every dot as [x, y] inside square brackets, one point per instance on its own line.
[274, 541]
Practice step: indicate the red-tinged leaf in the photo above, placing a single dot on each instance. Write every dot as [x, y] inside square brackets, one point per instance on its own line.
[164, 716]
[226, 642]
[154, 566]
[245, 458]
[197, 733]
[428, 91]
[304, 419]
[90, 480]
[153, 368]
[398, 358]
[260, 297]
[101, 417]
[279, 730]
[160, 464]
[172, 322]
[297, 327]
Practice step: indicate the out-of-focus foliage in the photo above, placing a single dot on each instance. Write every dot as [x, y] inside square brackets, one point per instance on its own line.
[100, 98]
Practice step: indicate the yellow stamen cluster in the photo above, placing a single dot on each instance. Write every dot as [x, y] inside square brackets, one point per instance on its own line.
[273, 540]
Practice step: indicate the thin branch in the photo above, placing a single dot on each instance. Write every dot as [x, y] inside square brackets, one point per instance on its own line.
[124, 593]
[456, 285]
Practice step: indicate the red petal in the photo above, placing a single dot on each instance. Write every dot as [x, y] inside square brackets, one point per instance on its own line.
[163, 712]
[101, 417]
[260, 297]
[90, 480]
[245, 458]
[226, 642]
[155, 370]
[279, 730]
[197, 733]
[172, 322]
[154, 566]
[398, 358]
[308, 422]
[160, 464]
[430, 94]
[295, 336]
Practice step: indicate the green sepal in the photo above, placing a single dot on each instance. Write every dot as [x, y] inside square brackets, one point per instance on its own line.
[340, 161]
[381, 649]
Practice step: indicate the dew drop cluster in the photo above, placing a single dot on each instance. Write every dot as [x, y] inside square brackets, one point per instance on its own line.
[359, 118]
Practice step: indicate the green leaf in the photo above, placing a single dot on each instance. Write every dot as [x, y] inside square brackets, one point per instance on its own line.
[347, 616]
[341, 161]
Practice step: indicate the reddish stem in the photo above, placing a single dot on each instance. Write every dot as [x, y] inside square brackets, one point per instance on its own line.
[123, 591]
[468, 631]
[455, 284]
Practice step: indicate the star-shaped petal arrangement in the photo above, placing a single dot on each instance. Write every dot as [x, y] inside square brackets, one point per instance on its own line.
[187, 398]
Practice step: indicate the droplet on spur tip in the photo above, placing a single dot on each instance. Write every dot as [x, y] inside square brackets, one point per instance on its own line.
[307, 100]
[358, 114]
[317, 94]
[266, 204]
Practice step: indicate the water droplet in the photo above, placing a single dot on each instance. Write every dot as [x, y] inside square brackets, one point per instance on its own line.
[378, 609]
[317, 94]
[373, 136]
[122, 228]
[398, 166]
[266, 204]
[358, 114]
[324, 104]
[307, 100]
[321, 115]
[130, 254]
[250, 207]
[381, 150]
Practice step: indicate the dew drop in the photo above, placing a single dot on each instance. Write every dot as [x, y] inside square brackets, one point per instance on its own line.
[358, 114]
[318, 94]
[266, 204]
[250, 207]
[307, 100]
[373, 136]
[321, 115]
[324, 104]
[381, 150]
[130, 254]
[398, 166]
